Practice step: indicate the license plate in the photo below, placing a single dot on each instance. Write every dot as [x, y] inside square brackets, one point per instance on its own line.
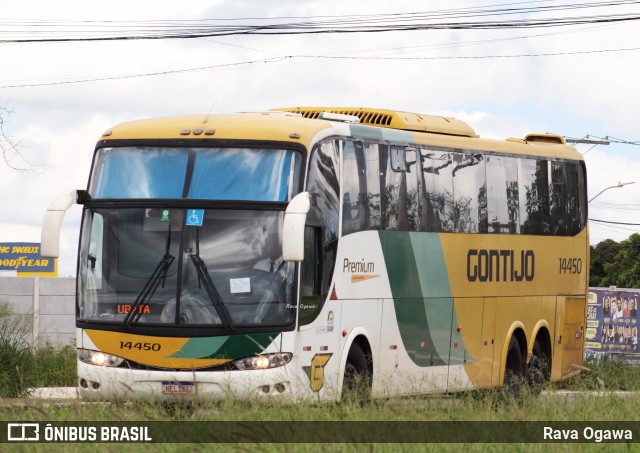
[178, 388]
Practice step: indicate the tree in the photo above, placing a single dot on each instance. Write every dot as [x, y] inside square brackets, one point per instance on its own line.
[616, 264]
[601, 254]
[11, 150]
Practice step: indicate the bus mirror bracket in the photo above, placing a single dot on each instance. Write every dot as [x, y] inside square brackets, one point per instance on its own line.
[295, 218]
[81, 196]
[52, 223]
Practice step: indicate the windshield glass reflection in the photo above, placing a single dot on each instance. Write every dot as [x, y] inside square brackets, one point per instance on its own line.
[150, 266]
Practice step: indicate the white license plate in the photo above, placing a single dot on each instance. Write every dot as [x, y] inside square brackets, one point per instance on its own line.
[178, 388]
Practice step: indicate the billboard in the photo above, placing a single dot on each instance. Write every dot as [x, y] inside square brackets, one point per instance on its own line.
[24, 258]
[612, 322]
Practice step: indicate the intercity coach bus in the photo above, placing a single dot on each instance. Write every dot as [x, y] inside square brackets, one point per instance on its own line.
[292, 253]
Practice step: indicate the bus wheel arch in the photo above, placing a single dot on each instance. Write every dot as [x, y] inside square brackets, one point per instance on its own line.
[358, 370]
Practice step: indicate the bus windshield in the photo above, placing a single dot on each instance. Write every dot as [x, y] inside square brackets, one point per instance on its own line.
[212, 267]
[195, 173]
[149, 260]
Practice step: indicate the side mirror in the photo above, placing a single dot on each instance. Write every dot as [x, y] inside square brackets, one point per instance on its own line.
[52, 223]
[295, 218]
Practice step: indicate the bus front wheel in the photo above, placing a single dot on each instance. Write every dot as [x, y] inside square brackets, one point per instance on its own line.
[357, 376]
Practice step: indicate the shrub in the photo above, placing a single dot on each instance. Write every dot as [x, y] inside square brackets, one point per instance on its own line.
[16, 359]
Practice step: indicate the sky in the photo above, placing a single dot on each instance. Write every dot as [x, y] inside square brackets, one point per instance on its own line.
[574, 80]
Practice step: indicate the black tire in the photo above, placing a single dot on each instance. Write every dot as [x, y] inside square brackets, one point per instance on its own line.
[513, 371]
[357, 376]
[539, 368]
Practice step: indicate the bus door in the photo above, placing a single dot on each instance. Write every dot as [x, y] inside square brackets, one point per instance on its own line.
[318, 323]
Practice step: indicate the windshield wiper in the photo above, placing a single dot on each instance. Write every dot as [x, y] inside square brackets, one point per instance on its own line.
[212, 292]
[160, 273]
[150, 287]
[209, 286]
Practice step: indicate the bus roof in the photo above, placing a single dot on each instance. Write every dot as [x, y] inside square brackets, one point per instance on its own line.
[392, 119]
[302, 124]
[258, 126]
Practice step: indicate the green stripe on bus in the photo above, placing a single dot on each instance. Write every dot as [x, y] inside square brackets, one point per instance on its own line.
[374, 133]
[227, 347]
[409, 302]
[422, 296]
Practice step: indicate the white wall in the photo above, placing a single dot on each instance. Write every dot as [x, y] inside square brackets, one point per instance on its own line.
[46, 307]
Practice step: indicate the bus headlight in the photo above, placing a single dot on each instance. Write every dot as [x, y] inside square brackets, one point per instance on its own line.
[263, 361]
[99, 358]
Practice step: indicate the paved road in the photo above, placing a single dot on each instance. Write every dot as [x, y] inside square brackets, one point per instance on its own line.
[65, 393]
[55, 393]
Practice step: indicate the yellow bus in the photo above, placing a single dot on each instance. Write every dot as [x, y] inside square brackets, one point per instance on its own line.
[294, 253]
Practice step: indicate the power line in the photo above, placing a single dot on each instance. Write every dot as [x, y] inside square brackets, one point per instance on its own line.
[319, 57]
[614, 223]
[608, 139]
[472, 57]
[148, 74]
[57, 31]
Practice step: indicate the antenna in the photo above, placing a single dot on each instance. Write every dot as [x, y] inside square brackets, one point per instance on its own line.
[206, 119]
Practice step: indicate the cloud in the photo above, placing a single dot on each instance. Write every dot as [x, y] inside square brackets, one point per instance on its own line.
[572, 95]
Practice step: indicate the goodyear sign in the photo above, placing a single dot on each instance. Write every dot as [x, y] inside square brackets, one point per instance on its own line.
[25, 259]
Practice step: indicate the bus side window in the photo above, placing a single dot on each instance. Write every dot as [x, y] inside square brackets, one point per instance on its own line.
[558, 198]
[311, 279]
[575, 198]
[502, 194]
[533, 190]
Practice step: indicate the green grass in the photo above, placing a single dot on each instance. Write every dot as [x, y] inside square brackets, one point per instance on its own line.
[21, 369]
[488, 405]
[604, 375]
[54, 367]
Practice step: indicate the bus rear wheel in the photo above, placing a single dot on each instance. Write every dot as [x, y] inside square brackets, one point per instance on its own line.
[514, 371]
[539, 368]
[357, 376]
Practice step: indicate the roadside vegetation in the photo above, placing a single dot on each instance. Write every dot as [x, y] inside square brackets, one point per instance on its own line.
[616, 263]
[22, 369]
[482, 406]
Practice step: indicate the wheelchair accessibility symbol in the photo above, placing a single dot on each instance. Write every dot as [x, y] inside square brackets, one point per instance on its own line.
[195, 217]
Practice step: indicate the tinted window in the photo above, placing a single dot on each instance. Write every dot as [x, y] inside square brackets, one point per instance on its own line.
[568, 214]
[438, 199]
[440, 190]
[558, 199]
[399, 182]
[469, 193]
[533, 192]
[323, 185]
[243, 174]
[139, 173]
[361, 182]
[196, 173]
[575, 200]
[502, 194]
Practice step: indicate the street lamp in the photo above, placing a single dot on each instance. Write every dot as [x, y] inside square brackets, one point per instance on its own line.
[620, 184]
